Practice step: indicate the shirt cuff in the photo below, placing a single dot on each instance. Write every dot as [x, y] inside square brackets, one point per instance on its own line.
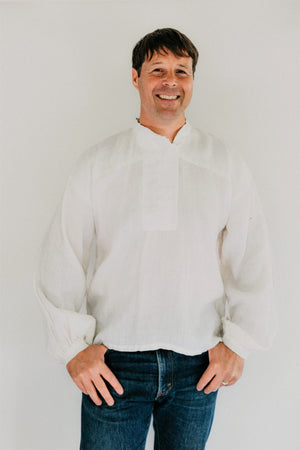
[72, 351]
[237, 339]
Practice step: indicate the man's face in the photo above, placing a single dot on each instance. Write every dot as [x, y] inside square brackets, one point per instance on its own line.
[165, 86]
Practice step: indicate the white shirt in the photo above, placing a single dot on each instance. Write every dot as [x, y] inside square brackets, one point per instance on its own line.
[182, 258]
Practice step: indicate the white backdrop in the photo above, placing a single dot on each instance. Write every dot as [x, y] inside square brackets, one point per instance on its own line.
[65, 85]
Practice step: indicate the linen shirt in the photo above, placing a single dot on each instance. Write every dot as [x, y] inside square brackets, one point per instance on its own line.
[157, 245]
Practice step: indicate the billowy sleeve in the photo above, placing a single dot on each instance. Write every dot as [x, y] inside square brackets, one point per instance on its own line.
[60, 278]
[249, 323]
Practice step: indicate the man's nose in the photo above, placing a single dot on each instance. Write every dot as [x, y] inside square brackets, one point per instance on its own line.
[169, 79]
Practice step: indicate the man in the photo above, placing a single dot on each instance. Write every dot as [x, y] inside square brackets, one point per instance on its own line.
[180, 285]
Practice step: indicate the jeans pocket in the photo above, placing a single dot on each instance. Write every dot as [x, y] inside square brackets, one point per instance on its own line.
[204, 358]
[107, 353]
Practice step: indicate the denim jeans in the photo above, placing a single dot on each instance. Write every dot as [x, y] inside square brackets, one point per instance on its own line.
[159, 382]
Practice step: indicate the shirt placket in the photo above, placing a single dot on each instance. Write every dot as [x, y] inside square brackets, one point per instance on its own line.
[160, 189]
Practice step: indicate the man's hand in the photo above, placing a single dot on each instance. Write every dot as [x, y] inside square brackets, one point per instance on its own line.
[88, 369]
[225, 366]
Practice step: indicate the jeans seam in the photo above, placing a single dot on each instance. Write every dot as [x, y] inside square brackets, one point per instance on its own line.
[172, 372]
[157, 435]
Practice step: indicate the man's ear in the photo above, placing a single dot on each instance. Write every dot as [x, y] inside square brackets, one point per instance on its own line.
[135, 78]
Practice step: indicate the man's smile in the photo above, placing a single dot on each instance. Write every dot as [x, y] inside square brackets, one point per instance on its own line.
[167, 97]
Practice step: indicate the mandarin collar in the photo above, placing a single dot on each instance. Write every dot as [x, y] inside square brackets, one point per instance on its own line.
[147, 138]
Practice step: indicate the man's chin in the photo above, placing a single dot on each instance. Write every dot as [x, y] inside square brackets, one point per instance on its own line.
[168, 114]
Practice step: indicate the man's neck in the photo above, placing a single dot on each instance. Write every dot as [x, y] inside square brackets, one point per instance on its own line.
[169, 130]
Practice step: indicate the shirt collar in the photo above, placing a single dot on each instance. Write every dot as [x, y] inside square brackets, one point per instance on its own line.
[147, 138]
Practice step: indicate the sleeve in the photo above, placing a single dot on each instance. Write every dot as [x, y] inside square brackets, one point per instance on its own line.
[249, 321]
[60, 278]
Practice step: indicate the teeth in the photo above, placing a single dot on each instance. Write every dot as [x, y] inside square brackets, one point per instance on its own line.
[168, 97]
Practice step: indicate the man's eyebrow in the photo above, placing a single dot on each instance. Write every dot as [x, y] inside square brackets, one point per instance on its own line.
[157, 62]
[161, 62]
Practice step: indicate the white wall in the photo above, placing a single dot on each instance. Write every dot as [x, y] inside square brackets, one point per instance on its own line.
[65, 85]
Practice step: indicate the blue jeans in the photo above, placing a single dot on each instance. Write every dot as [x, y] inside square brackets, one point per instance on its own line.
[159, 382]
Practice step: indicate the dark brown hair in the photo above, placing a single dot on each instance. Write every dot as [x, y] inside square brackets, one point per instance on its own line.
[160, 41]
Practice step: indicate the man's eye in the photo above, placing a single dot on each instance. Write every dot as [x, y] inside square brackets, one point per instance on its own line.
[157, 70]
[181, 72]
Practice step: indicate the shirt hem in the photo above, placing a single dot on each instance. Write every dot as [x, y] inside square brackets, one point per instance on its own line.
[160, 345]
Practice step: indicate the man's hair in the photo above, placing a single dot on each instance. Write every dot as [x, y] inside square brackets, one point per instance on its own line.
[160, 41]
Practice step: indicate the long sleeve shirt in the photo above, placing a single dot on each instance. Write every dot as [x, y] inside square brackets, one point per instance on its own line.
[181, 253]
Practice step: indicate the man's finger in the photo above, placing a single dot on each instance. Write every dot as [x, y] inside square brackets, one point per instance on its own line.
[112, 379]
[206, 378]
[213, 386]
[91, 391]
[102, 388]
[81, 387]
[231, 382]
